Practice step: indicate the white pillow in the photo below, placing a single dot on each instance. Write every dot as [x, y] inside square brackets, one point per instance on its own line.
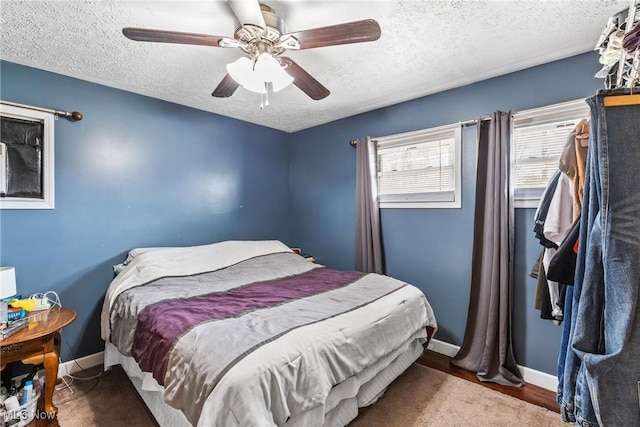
[137, 251]
[118, 268]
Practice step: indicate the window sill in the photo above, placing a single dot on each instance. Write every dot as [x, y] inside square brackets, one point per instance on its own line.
[420, 205]
[526, 203]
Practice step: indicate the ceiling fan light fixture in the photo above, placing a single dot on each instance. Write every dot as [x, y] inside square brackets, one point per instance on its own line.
[263, 37]
[241, 70]
[253, 76]
[270, 70]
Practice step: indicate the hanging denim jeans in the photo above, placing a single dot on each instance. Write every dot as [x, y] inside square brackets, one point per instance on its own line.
[590, 208]
[602, 374]
[564, 341]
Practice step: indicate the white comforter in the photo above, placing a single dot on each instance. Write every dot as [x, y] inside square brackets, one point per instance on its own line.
[290, 380]
[154, 263]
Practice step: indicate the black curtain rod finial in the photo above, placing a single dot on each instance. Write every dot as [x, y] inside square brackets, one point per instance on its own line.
[353, 142]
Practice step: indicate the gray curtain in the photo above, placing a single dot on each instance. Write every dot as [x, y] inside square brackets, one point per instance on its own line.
[487, 345]
[368, 242]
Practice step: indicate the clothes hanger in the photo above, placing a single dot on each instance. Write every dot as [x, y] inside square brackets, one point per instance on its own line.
[633, 97]
[625, 73]
[622, 100]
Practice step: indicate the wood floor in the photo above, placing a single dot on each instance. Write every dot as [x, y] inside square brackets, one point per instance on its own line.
[529, 392]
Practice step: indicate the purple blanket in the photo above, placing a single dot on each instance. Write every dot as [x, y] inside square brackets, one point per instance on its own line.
[160, 325]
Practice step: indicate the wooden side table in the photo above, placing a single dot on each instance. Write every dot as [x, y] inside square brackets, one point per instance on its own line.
[39, 344]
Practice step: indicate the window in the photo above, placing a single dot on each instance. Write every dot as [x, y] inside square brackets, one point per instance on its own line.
[26, 158]
[537, 140]
[420, 169]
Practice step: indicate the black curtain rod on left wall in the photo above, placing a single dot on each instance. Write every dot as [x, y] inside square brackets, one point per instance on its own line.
[74, 116]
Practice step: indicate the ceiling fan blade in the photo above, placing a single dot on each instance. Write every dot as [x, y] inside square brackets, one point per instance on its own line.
[305, 81]
[162, 36]
[366, 30]
[248, 12]
[226, 87]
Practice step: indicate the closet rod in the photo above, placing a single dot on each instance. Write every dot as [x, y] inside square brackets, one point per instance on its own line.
[73, 116]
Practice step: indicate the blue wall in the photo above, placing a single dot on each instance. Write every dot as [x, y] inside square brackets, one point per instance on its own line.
[135, 171]
[432, 248]
[140, 172]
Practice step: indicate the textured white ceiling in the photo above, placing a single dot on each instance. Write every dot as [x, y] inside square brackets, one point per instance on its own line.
[425, 47]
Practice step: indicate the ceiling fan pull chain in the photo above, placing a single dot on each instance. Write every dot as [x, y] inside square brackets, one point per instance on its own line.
[264, 97]
[264, 100]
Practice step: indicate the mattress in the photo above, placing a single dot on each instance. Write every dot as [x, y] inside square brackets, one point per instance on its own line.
[345, 411]
[248, 333]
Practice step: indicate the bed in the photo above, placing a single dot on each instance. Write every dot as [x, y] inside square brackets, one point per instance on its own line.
[248, 333]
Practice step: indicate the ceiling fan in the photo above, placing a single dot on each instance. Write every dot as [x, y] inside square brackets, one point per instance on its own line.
[263, 39]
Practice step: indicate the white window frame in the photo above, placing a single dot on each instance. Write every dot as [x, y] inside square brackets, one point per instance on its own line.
[571, 110]
[48, 175]
[437, 199]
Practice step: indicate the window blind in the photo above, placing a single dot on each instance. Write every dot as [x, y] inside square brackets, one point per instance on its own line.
[538, 137]
[537, 151]
[420, 169]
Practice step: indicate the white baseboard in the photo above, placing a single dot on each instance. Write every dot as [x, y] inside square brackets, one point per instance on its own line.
[530, 376]
[71, 367]
[539, 378]
[77, 365]
[443, 347]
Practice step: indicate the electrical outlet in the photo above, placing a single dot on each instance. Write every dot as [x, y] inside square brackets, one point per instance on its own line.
[43, 304]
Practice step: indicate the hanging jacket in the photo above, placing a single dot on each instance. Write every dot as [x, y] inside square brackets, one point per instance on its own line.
[543, 210]
[573, 161]
[582, 146]
[562, 267]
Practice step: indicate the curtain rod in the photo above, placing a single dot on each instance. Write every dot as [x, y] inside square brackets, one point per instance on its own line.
[73, 116]
[475, 121]
[354, 142]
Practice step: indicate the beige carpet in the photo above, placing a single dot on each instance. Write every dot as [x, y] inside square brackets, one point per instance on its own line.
[420, 397]
[426, 397]
[108, 402]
